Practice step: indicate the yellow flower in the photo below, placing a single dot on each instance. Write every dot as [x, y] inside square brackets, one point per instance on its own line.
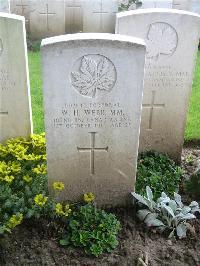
[40, 169]
[58, 186]
[27, 178]
[8, 178]
[67, 210]
[59, 209]
[40, 200]
[63, 210]
[15, 220]
[88, 197]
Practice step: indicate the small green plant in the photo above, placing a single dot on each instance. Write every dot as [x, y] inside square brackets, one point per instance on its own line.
[159, 172]
[193, 185]
[126, 5]
[166, 214]
[92, 229]
[23, 181]
[189, 159]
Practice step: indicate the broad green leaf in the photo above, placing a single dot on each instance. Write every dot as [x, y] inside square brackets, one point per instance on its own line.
[154, 223]
[194, 204]
[178, 200]
[181, 230]
[187, 216]
[149, 193]
[141, 214]
[141, 199]
[173, 205]
[186, 210]
[168, 209]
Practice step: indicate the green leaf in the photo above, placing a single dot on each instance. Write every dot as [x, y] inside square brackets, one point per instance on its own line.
[154, 222]
[141, 199]
[168, 209]
[141, 214]
[181, 230]
[64, 242]
[149, 193]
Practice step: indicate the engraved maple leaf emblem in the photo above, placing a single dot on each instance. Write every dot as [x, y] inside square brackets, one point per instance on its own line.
[161, 40]
[93, 75]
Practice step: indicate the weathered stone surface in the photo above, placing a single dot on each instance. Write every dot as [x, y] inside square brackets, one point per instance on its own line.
[23, 8]
[15, 111]
[5, 6]
[74, 16]
[194, 6]
[172, 38]
[47, 19]
[181, 4]
[156, 4]
[93, 87]
[100, 15]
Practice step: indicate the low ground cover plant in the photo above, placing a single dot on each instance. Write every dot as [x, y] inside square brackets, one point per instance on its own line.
[24, 195]
[192, 185]
[92, 229]
[159, 172]
[166, 214]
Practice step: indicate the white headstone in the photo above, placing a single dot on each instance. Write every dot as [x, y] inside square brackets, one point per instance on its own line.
[74, 16]
[93, 87]
[182, 4]
[171, 52]
[100, 15]
[195, 6]
[15, 111]
[48, 19]
[156, 4]
[23, 8]
[5, 6]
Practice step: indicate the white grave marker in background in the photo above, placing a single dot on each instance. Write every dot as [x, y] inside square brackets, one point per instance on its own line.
[5, 6]
[170, 61]
[48, 19]
[156, 4]
[15, 110]
[100, 15]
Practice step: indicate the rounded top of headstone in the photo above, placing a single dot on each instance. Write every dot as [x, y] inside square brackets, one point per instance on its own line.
[156, 10]
[11, 16]
[86, 37]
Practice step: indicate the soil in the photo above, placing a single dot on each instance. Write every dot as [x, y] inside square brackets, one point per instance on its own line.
[37, 243]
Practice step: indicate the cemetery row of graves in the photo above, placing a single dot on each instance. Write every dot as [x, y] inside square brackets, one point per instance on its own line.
[45, 18]
[107, 98]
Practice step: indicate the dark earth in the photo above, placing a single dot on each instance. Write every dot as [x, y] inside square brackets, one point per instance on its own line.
[37, 243]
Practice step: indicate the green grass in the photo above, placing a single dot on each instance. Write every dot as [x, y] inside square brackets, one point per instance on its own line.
[36, 91]
[193, 121]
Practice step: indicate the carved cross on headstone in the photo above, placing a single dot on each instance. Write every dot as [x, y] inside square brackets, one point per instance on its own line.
[3, 113]
[101, 12]
[47, 14]
[152, 106]
[23, 7]
[92, 150]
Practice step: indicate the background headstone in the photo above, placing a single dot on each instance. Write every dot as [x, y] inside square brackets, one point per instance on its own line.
[48, 18]
[15, 111]
[100, 15]
[5, 6]
[23, 8]
[170, 61]
[92, 113]
[74, 16]
[182, 4]
[195, 6]
[156, 4]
